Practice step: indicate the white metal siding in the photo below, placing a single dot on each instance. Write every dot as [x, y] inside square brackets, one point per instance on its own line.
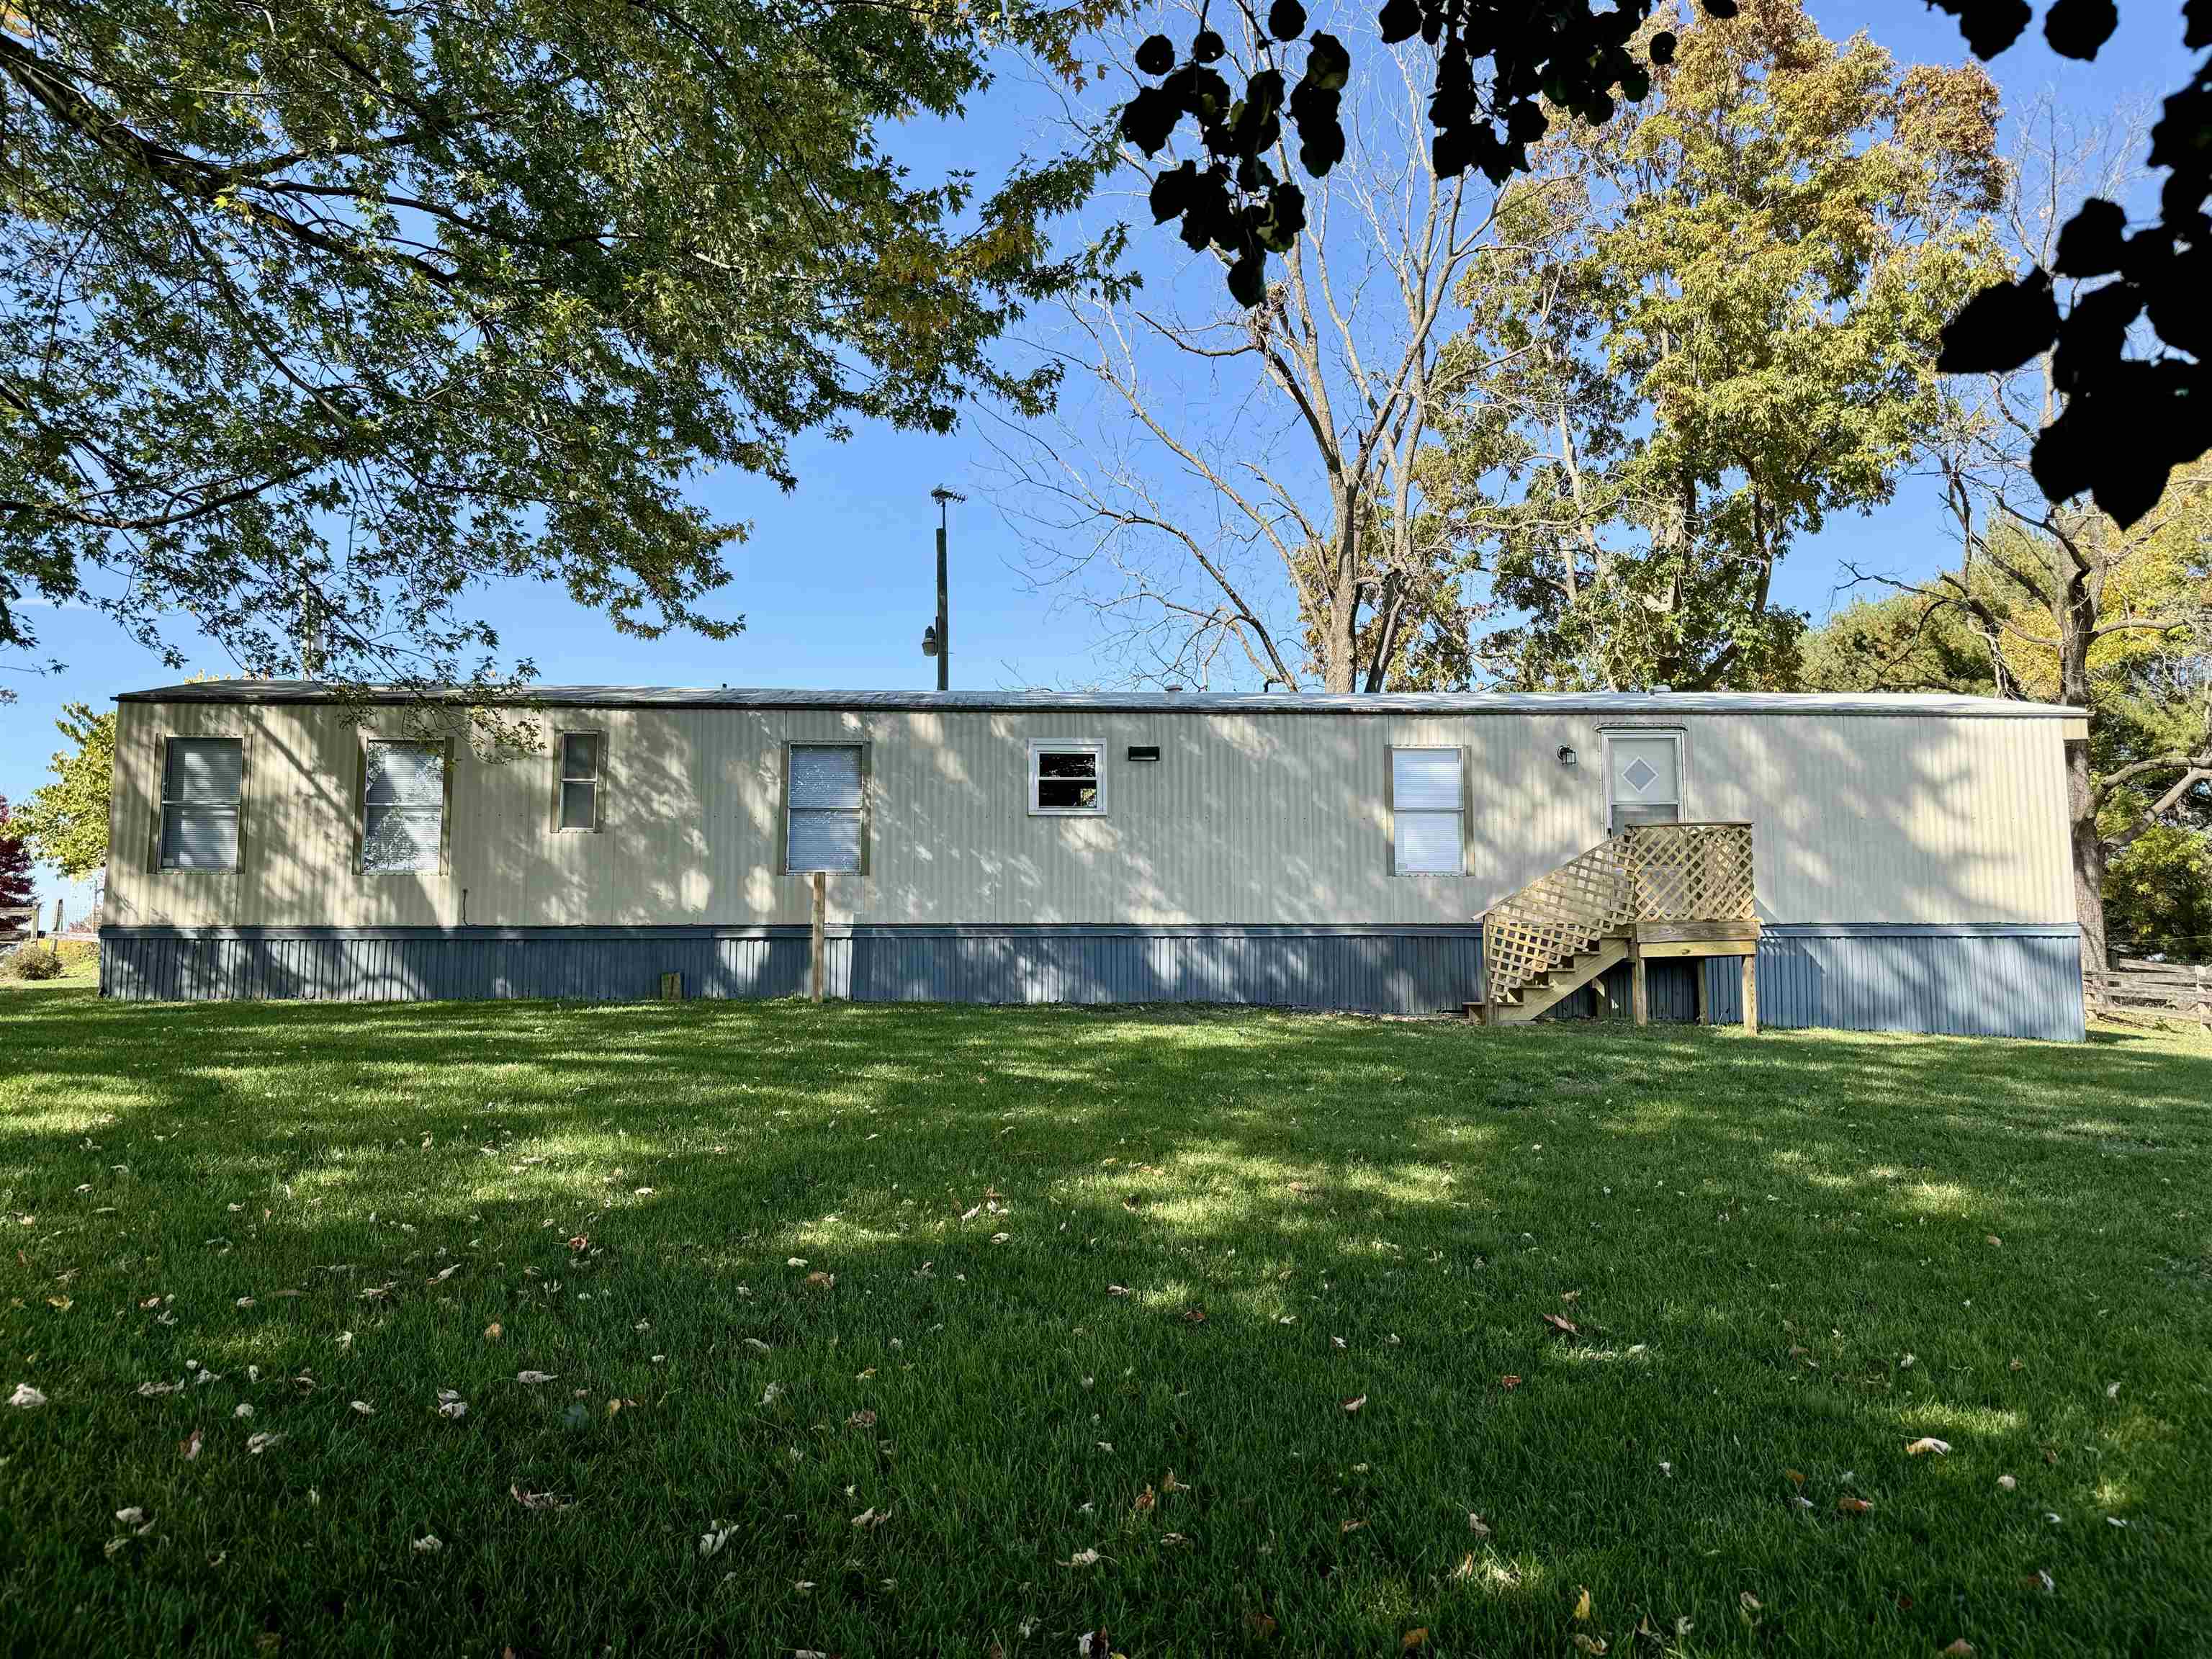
[1247, 818]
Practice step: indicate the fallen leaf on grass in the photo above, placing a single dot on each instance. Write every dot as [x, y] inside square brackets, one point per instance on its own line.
[1476, 1525]
[1928, 1444]
[1558, 1323]
[821, 1281]
[364, 1408]
[1589, 1643]
[1263, 1625]
[1145, 1501]
[1355, 1402]
[491, 1331]
[1508, 1382]
[26, 1398]
[450, 1406]
[189, 1447]
[1117, 1290]
[1850, 1505]
[1417, 1637]
[863, 1418]
[2006, 1483]
[428, 1544]
[1960, 1649]
[257, 1444]
[1582, 1604]
[711, 1541]
[1194, 1315]
[1084, 1558]
[537, 1500]
[1349, 1526]
[871, 1517]
[535, 1377]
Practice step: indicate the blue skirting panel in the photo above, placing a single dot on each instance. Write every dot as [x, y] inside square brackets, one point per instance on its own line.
[1970, 980]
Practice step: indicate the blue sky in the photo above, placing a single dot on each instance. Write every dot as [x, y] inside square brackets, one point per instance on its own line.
[836, 581]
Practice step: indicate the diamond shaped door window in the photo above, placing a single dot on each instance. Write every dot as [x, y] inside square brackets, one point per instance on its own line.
[1640, 774]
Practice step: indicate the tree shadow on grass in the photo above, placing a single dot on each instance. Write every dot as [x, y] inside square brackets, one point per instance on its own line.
[1752, 1233]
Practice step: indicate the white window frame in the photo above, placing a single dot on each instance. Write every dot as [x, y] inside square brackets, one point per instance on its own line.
[862, 812]
[562, 780]
[1465, 811]
[1040, 747]
[166, 801]
[1646, 734]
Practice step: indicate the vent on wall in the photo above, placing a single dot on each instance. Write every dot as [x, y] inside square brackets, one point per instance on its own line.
[1144, 751]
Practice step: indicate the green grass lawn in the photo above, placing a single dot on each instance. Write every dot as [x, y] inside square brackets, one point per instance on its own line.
[909, 1314]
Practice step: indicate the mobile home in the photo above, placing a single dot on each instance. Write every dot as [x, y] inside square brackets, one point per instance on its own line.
[1866, 862]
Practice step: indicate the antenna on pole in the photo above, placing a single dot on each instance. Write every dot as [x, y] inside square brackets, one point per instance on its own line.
[937, 641]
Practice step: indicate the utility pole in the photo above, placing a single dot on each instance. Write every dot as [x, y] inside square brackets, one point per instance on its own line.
[937, 641]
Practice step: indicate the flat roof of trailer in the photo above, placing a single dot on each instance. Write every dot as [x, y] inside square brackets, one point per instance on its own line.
[1147, 702]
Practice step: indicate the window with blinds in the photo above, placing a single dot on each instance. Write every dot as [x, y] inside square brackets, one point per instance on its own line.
[581, 768]
[1428, 811]
[200, 783]
[403, 808]
[822, 808]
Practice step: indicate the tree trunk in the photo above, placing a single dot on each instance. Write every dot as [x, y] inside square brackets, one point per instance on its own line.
[2077, 615]
[2088, 858]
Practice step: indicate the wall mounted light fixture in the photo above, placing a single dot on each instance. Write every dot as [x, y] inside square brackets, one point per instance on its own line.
[1566, 755]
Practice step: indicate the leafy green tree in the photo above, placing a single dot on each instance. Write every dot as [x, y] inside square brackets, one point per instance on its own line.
[66, 821]
[2158, 892]
[314, 316]
[1714, 322]
[2061, 604]
[1505, 69]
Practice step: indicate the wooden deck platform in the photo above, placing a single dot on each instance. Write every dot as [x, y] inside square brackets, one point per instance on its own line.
[1655, 892]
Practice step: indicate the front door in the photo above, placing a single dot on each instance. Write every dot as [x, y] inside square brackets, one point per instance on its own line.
[1642, 779]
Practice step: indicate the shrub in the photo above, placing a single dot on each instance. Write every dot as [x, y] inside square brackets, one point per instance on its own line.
[33, 962]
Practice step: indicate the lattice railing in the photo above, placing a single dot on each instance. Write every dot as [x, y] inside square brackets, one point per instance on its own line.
[1649, 873]
[1691, 872]
[1562, 913]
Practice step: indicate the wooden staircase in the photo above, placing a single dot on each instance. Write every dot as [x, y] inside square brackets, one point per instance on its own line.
[1669, 891]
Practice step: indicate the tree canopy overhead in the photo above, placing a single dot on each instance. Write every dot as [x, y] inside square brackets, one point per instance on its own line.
[1506, 69]
[312, 316]
[1711, 322]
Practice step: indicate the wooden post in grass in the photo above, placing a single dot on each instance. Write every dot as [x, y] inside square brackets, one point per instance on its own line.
[1639, 993]
[1704, 1014]
[821, 928]
[1751, 994]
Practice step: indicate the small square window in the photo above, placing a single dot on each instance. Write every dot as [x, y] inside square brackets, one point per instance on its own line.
[582, 775]
[1067, 779]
